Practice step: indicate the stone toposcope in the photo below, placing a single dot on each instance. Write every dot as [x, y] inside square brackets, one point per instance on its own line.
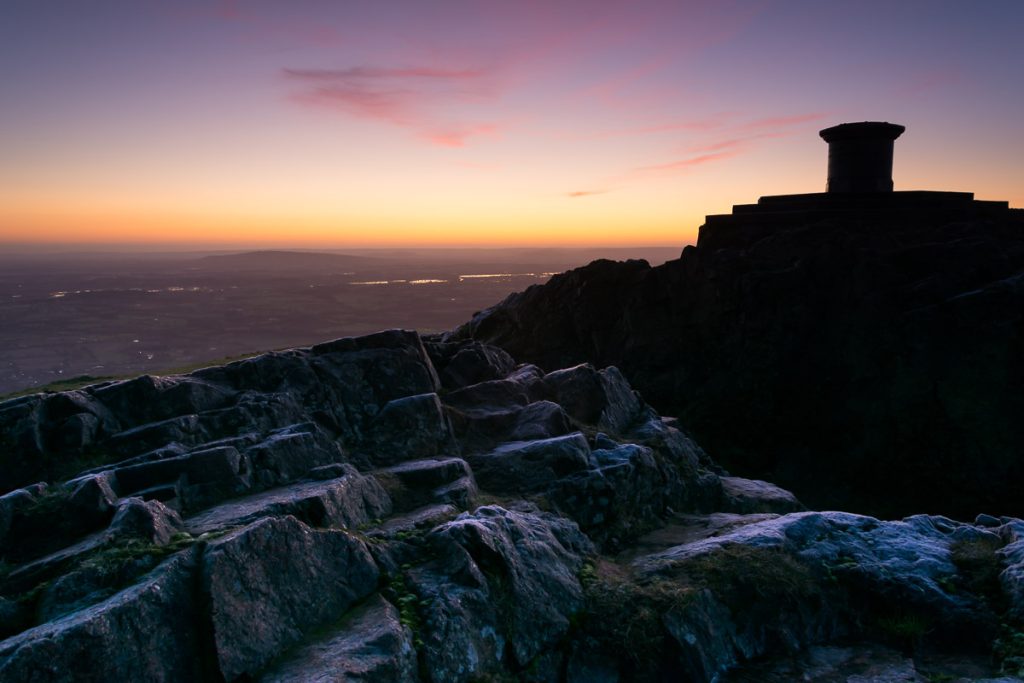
[860, 156]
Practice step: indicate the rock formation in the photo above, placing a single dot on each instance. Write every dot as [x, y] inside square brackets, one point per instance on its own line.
[384, 509]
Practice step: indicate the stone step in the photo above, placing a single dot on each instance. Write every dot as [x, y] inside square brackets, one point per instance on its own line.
[371, 644]
[421, 482]
[420, 519]
[347, 501]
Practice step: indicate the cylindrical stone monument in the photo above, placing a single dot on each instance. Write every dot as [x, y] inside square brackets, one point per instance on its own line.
[860, 156]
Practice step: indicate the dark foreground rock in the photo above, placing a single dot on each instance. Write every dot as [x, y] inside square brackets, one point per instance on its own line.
[376, 509]
[864, 354]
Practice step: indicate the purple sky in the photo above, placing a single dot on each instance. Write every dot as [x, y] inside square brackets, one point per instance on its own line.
[384, 123]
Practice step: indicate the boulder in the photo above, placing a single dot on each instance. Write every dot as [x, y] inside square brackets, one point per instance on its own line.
[602, 398]
[358, 376]
[474, 363]
[420, 519]
[531, 379]
[11, 504]
[422, 482]
[274, 581]
[539, 420]
[153, 399]
[208, 475]
[483, 427]
[91, 498]
[253, 413]
[289, 453]
[525, 466]
[499, 394]
[504, 582]
[144, 633]
[1012, 559]
[749, 496]
[150, 521]
[428, 474]
[904, 567]
[619, 499]
[408, 428]
[186, 429]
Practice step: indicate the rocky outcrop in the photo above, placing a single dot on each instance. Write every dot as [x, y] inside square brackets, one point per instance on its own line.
[380, 509]
[861, 353]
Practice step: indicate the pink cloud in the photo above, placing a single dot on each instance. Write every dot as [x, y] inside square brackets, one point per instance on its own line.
[584, 193]
[741, 137]
[930, 80]
[682, 125]
[775, 122]
[414, 97]
[370, 73]
[688, 163]
[456, 137]
[733, 143]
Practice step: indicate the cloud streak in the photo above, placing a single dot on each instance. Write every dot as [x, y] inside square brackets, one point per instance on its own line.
[689, 162]
[414, 97]
[738, 138]
[584, 193]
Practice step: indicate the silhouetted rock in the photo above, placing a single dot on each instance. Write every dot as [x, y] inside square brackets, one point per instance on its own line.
[858, 349]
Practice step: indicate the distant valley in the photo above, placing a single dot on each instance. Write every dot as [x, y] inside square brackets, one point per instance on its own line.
[102, 315]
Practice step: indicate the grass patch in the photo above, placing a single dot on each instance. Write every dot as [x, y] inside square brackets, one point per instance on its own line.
[979, 567]
[69, 384]
[82, 381]
[51, 502]
[906, 628]
[623, 616]
[746, 578]
[113, 558]
[941, 678]
[399, 594]
[1008, 651]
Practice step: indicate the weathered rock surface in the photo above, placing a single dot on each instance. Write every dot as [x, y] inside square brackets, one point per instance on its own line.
[863, 356]
[380, 509]
[348, 501]
[371, 644]
[272, 582]
[504, 588]
[145, 633]
[747, 496]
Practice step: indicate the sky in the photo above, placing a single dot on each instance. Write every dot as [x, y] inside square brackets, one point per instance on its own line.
[380, 123]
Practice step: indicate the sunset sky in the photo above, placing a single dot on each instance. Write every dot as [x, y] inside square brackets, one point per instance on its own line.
[478, 123]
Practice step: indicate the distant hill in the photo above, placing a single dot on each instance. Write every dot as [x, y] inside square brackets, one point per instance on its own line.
[285, 260]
